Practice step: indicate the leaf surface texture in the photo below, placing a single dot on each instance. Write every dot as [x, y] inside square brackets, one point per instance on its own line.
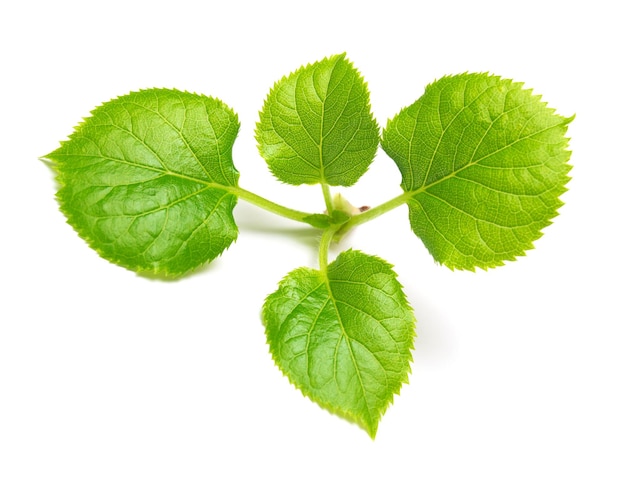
[483, 162]
[146, 180]
[344, 336]
[316, 125]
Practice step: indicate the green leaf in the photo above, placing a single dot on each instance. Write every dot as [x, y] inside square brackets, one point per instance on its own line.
[323, 221]
[339, 217]
[316, 125]
[344, 336]
[147, 180]
[320, 221]
[483, 163]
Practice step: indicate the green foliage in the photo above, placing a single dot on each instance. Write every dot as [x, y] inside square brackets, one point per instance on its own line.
[146, 180]
[323, 221]
[343, 336]
[483, 162]
[149, 182]
[316, 125]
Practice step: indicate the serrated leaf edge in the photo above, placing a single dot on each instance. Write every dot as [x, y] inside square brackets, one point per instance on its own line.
[329, 407]
[53, 163]
[566, 177]
[297, 71]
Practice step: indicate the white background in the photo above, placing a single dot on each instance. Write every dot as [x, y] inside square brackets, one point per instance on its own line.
[519, 371]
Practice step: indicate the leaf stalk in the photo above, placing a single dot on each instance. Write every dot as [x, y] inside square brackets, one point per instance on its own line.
[375, 212]
[327, 238]
[327, 198]
[270, 206]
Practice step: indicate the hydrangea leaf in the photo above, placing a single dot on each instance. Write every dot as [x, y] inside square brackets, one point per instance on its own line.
[316, 125]
[147, 180]
[343, 336]
[483, 163]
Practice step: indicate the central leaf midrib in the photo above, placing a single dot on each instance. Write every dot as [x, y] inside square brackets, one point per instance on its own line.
[152, 211]
[322, 136]
[163, 172]
[320, 147]
[424, 188]
[339, 116]
[347, 338]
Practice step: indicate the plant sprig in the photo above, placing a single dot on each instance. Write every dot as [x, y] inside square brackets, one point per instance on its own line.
[148, 180]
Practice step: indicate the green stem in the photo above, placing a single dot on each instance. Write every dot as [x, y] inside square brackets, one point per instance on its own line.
[376, 211]
[327, 198]
[327, 237]
[269, 205]
[299, 216]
